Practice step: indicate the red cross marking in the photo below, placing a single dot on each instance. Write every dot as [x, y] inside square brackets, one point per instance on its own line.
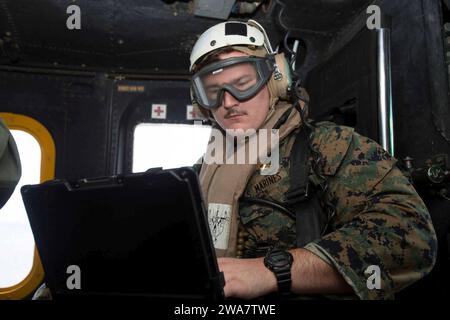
[158, 110]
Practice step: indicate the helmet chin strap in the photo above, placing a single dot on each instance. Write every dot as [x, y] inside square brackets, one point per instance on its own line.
[272, 102]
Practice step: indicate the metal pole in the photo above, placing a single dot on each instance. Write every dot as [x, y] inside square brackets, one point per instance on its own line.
[385, 113]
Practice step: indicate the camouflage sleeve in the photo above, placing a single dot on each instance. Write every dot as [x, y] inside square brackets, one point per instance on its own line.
[380, 219]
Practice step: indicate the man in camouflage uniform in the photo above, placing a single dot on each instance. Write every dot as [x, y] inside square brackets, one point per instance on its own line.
[378, 217]
[10, 167]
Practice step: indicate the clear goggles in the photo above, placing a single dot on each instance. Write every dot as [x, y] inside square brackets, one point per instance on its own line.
[242, 77]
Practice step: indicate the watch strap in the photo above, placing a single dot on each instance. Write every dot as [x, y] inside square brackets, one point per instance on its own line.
[284, 281]
[282, 273]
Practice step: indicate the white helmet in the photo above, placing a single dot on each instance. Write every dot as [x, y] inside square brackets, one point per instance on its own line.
[250, 38]
[230, 33]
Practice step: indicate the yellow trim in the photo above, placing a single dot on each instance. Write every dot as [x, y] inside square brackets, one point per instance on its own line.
[48, 155]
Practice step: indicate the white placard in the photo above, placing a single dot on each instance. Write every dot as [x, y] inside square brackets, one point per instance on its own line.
[159, 111]
[190, 113]
[219, 218]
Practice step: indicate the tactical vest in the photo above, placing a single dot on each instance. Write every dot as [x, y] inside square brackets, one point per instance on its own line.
[302, 199]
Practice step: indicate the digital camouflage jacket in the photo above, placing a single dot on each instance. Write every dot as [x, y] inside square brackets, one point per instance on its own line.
[379, 217]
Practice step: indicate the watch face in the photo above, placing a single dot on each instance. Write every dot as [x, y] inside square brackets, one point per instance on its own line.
[280, 258]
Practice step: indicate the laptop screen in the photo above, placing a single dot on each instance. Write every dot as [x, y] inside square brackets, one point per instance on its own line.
[142, 234]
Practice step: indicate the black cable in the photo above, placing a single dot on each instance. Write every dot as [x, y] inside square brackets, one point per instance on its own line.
[272, 204]
[280, 21]
[296, 98]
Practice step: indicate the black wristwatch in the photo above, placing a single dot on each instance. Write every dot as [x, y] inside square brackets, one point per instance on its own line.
[280, 263]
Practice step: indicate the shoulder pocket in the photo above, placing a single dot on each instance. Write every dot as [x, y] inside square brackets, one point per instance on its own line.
[333, 143]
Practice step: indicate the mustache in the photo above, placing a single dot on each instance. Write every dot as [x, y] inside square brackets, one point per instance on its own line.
[234, 112]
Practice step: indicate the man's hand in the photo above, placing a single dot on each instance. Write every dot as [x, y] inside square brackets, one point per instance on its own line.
[246, 278]
[249, 278]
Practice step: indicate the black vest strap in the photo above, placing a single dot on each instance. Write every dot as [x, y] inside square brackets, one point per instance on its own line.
[306, 205]
[302, 201]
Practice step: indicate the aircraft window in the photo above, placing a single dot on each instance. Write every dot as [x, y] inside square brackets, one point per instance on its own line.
[16, 238]
[168, 145]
